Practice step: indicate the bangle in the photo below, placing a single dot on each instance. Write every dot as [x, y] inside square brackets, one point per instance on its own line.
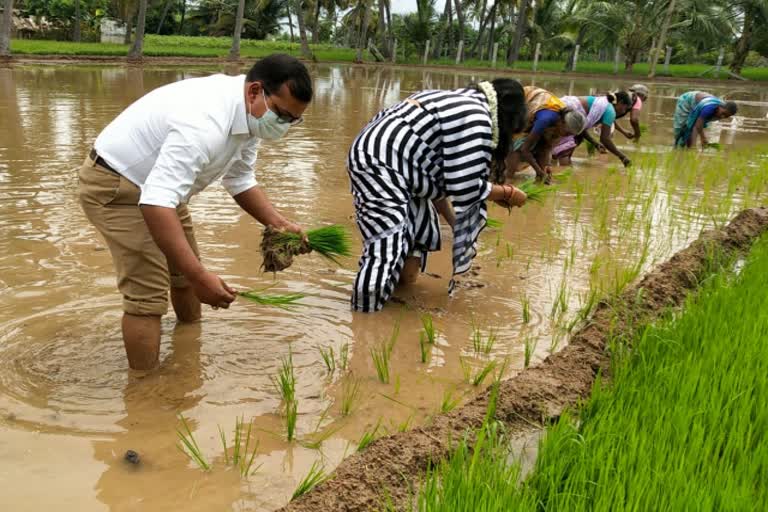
[507, 195]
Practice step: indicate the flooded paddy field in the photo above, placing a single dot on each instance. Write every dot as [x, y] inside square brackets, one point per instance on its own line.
[70, 408]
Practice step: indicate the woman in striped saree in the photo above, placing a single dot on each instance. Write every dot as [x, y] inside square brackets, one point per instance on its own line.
[693, 113]
[431, 152]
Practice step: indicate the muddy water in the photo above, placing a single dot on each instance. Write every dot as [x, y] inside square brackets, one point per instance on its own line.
[69, 408]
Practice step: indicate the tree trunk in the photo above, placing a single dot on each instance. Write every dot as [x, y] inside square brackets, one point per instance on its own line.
[5, 29]
[662, 38]
[362, 40]
[183, 15]
[166, 8]
[510, 32]
[290, 21]
[137, 50]
[316, 23]
[128, 29]
[444, 27]
[744, 42]
[390, 37]
[629, 59]
[383, 29]
[460, 18]
[76, 28]
[519, 32]
[305, 51]
[234, 52]
[492, 31]
[481, 31]
[572, 54]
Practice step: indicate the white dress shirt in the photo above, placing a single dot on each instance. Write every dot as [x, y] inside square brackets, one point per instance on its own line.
[177, 139]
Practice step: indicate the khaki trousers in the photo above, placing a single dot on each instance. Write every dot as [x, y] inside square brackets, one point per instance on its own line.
[111, 203]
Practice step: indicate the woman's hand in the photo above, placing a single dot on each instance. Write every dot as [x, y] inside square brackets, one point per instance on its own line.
[626, 161]
[511, 197]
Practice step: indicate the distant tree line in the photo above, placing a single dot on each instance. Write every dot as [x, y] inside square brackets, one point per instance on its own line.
[639, 29]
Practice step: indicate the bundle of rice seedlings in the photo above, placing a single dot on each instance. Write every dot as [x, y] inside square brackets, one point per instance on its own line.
[714, 145]
[279, 301]
[279, 247]
[534, 190]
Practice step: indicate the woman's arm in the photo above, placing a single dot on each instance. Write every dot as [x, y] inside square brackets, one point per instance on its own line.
[698, 130]
[605, 139]
[622, 131]
[527, 152]
[445, 208]
[634, 120]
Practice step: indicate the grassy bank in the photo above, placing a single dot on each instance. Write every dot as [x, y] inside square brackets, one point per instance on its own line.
[215, 47]
[681, 427]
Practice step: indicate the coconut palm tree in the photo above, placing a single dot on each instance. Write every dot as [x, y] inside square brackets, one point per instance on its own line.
[755, 17]
[5, 29]
[137, 50]
[234, 52]
[300, 10]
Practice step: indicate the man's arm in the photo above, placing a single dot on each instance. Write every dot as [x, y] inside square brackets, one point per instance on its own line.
[256, 203]
[168, 234]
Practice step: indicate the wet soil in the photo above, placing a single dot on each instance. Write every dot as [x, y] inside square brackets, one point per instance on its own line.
[393, 464]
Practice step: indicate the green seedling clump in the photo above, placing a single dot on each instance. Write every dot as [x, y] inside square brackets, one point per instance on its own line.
[279, 247]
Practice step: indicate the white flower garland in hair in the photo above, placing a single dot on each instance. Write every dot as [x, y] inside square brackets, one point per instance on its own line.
[493, 104]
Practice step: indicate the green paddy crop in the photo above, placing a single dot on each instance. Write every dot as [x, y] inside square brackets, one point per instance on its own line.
[683, 422]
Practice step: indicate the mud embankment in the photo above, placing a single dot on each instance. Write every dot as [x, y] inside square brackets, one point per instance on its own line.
[394, 464]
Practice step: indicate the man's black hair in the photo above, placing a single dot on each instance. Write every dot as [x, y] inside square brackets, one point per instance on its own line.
[278, 69]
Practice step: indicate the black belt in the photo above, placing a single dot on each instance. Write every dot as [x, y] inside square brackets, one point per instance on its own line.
[100, 161]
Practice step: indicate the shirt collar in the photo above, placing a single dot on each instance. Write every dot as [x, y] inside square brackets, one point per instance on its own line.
[240, 121]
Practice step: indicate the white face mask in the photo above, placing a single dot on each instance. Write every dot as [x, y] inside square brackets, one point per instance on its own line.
[268, 126]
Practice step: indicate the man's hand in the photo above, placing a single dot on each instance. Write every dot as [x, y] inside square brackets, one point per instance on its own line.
[212, 290]
[292, 227]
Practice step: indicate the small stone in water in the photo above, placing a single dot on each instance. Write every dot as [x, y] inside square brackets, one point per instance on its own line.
[132, 457]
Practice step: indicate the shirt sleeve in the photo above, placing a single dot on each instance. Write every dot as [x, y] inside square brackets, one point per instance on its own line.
[240, 176]
[182, 157]
[609, 116]
[544, 119]
[638, 104]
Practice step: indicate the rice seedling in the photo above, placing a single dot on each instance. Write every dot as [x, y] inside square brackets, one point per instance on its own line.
[368, 437]
[429, 328]
[423, 348]
[466, 369]
[291, 418]
[242, 454]
[329, 358]
[380, 355]
[480, 376]
[397, 384]
[350, 393]
[279, 247]
[526, 303]
[535, 191]
[402, 427]
[449, 402]
[314, 477]
[344, 357]
[189, 447]
[285, 382]
[492, 223]
[285, 301]
[482, 344]
[530, 348]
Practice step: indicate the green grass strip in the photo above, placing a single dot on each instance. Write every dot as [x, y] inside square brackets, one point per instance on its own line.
[682, 426]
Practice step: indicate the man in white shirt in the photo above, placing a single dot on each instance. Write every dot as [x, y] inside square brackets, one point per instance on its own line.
[164, 148]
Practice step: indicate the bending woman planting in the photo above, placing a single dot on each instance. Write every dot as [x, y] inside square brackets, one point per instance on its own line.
[597, 109]
[431, 152]
[694, 112]
[549, 119]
